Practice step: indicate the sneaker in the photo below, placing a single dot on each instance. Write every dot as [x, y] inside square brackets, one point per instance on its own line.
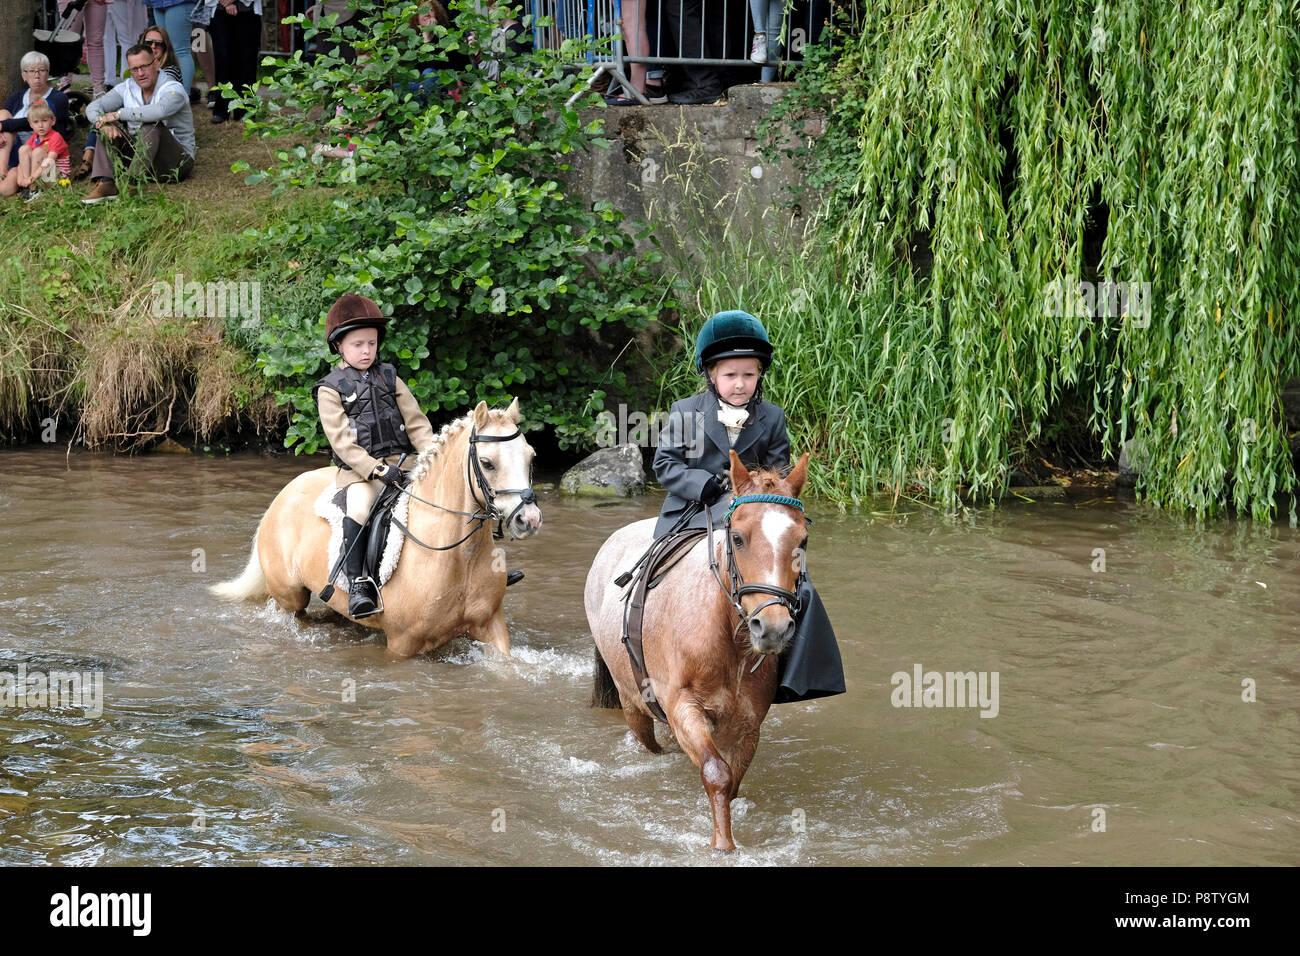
[655, 91]
[217, 119]
[30, 194]
[104, 190]
[758, 52]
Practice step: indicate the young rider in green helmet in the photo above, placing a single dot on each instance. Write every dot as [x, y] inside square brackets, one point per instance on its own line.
[692, 461]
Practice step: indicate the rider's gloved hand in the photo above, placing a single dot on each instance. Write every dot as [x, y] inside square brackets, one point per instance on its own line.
[713, 489]
[389, 474]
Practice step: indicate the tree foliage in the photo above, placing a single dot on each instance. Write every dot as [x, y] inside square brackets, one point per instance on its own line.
[446, 208]
[1087, 202]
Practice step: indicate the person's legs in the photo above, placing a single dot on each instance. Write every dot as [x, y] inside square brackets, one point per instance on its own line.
[109, 148]
[96, 19]
[37, 159]
[24, 166]
[636, 42]
[222, 31]
[363, 594]
[159, 157]
[248, 40]
[204, 56]
[685, 27]
[176, 21]
[7, 143]
[9, 184]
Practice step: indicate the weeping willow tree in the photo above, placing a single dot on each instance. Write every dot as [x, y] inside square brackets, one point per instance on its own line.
[1052, 203]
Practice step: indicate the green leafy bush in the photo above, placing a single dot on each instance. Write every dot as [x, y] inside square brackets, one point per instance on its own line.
[445, 206]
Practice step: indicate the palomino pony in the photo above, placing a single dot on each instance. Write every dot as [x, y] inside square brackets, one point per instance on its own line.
[478, 472]
[709, 650]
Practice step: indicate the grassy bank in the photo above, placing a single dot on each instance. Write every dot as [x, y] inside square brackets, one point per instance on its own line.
[81, 340]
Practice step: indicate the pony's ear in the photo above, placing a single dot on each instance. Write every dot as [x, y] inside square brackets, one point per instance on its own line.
[798, 475]
[512, 412]
[481, 415]
[739, 474]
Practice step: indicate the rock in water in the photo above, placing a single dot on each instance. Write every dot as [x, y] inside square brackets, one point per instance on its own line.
[1133, 461]
[616, 472]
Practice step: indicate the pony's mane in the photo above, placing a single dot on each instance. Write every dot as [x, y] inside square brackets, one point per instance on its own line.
[762, 481]
[441, 440]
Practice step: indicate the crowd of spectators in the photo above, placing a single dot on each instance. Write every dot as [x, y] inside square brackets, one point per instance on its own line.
[143, 124]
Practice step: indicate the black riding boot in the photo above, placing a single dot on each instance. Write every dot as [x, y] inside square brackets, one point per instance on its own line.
[363, 596]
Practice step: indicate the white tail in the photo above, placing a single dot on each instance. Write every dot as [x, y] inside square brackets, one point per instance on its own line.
[250, 584]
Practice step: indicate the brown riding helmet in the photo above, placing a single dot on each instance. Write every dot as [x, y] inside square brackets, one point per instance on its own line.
[350, 312]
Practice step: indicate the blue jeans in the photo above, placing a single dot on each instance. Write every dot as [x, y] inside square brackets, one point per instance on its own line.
[176, 21]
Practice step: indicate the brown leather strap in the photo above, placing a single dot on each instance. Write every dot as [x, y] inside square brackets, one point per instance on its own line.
[652, 567]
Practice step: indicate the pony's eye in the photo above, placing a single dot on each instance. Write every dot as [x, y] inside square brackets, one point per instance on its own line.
[487, 464]
[737, 540]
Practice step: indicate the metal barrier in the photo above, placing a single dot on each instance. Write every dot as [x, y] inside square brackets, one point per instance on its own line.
[687, 34]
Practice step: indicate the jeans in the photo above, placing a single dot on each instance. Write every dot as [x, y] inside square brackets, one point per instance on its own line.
[176, 21]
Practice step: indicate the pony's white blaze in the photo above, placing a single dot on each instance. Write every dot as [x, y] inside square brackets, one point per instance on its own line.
[775, 525]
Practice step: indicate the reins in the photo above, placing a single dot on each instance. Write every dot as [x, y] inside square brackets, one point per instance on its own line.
[666, 551]
[526, 495]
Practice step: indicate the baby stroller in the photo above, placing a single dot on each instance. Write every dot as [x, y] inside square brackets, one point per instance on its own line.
[63, 47]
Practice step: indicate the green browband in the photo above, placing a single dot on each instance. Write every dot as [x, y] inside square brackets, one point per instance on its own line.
[770, 499]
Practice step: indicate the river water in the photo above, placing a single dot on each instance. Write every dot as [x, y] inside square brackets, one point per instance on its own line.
[1121, 735]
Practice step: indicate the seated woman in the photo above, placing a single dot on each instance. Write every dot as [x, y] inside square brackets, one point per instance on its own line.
[692, 462]
[14, 127]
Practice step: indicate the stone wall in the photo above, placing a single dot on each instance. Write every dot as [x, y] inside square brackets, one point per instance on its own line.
[655, 149]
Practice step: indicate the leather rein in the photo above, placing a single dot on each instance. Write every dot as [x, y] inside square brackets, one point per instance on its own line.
[666, 553]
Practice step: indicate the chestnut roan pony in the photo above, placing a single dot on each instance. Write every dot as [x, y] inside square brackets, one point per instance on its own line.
[476, 475]
[711, 631]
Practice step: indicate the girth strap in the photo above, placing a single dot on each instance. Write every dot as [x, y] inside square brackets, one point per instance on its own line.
[648, 571]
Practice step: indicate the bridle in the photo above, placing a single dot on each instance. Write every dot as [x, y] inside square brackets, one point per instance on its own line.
[474, 476]
[526, 495]
[738, 588]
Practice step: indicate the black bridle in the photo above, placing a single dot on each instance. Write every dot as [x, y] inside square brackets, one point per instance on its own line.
[738, 588]
[474, 476]
[526, 495]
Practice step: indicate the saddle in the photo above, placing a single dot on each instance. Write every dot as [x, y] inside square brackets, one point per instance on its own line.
[650, 569]
[380, 558]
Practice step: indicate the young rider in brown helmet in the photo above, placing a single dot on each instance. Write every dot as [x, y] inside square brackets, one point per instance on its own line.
[370, 418]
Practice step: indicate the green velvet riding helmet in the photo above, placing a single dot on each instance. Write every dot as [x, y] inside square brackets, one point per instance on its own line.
[733, 334]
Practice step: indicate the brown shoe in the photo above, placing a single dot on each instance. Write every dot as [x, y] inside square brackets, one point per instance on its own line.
[104, 190]
[84, 169]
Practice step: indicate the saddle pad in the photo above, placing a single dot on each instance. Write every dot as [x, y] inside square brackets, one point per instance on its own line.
[330, 507]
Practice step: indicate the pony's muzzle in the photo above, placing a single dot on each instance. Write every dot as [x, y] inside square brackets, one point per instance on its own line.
[526, 520]
[770, 633]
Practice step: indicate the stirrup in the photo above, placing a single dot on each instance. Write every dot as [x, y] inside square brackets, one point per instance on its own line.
[364, 599]
[514, 577]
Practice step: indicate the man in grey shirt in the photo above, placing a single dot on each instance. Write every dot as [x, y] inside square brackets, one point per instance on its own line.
[146, 124]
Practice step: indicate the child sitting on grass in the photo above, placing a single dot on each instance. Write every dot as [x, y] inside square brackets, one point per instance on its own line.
[43, 151]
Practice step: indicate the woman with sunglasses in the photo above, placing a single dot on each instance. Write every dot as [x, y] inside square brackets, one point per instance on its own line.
[159, 40]
[174, 17]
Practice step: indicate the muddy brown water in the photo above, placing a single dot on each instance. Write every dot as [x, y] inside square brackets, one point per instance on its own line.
[225, 736]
